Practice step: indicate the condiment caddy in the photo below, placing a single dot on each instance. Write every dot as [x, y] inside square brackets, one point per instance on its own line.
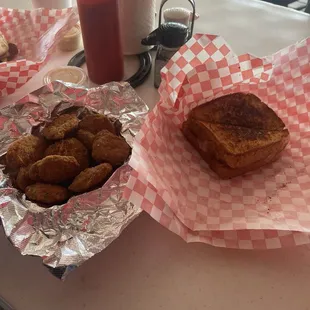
[170, 35]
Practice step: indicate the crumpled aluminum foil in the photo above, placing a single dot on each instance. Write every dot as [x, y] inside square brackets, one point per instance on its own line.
[70, 234]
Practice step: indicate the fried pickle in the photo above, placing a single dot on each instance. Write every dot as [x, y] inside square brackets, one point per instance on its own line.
[110, 148]
[96, 123]
[23, 180]
[90, 178]
[47, 193]
[54, 169]
[61, 127]
[70, 147]
[86, 137]
[25, 151]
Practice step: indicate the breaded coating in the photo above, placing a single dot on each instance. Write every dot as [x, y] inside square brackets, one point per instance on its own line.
[86, 137]
[118, 127]
[47, 193]
[25, 151]
[110, 148]
[23, 180]
[90, 178]
[54, 169]
[61, 127]
[70, 147]
[96, 123]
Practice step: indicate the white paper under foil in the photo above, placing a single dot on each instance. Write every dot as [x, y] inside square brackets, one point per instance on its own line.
[69, 234]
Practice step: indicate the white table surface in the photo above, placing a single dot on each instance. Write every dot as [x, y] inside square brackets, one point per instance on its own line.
[150, 268]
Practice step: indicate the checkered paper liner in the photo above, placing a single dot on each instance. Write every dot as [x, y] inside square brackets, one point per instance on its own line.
[36, 33]
[268, 208]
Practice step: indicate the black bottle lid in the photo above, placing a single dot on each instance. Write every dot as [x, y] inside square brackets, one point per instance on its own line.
[171, 35]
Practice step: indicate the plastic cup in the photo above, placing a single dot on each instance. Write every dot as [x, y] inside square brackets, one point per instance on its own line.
[66, 74]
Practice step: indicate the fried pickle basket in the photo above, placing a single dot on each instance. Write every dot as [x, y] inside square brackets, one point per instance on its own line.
[66, 236]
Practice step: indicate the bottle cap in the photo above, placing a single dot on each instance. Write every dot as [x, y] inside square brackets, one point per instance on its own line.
[68, 74]
[171, 35]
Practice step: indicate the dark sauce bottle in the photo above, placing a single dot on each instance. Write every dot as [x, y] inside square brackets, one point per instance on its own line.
[169, 37]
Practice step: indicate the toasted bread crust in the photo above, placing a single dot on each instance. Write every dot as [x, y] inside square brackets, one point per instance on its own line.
[236, 134]
[239, 109]
[237, 146]
[219, 167]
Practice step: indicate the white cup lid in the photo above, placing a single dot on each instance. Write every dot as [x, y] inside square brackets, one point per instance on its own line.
[179, 15]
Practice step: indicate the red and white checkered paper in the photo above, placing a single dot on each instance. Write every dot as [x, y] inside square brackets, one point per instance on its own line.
[36, 33]
[265, 209]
